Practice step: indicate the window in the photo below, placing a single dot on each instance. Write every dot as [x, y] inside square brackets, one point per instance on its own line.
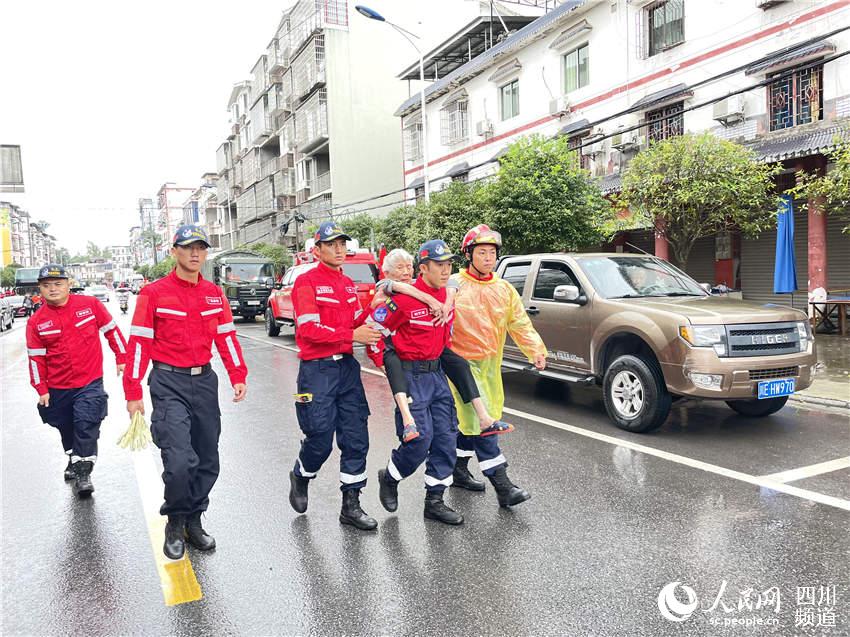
[796, 98]
[666, 122]
[419, 193]
[413, 141]
[463, 177]
[454, 122]
[509, 99]
[550, 275]
[575, 143]
[515, 274]
[360, 272]
[666, 26]
[576, 67]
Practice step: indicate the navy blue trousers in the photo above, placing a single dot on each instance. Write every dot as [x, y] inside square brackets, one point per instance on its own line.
[77, 414]
[186, 425]
[486, 449]
[338, 407]
[433, 410]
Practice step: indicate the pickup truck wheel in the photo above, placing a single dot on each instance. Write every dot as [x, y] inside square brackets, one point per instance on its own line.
[272, 328]
[758, 408]
[635, 395]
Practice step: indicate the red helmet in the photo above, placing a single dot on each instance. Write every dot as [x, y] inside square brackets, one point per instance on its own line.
[480, 235]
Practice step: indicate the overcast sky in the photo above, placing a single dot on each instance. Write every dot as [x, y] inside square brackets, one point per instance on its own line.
[108, 100]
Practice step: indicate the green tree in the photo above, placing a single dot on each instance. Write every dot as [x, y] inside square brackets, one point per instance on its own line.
[833, 188]
[152, 240]
[63, 256]
[361, 227]
[694, 186]
[542, 200]
[93, 251]
[144, 270]
[393, 229]
[7, 275]
[450, 214]
[162, 268]
[277, 253]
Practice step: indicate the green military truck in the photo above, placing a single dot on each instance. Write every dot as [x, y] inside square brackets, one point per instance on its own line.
[247, 279]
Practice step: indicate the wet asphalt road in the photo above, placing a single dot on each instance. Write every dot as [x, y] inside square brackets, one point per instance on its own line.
[609, 524]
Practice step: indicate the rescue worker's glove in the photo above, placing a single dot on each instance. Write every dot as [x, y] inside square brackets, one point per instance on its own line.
[137, 435]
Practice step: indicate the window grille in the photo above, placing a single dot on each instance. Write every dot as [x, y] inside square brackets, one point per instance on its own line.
[454, 122]
[796, 98]
[666, 122]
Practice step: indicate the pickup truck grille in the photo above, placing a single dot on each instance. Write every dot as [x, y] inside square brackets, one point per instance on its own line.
[777, 372]
[763, 339]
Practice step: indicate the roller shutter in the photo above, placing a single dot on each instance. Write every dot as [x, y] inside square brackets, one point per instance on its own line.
[758, 257]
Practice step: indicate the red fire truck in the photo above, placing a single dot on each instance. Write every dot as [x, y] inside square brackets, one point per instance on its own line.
[360, 265]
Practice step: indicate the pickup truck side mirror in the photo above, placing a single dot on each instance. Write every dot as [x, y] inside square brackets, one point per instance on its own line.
[569, 294]
[269, 282]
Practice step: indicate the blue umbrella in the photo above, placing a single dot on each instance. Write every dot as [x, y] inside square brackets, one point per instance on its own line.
[785, 268]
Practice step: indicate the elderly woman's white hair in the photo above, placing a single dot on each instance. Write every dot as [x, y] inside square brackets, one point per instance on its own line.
[394, 257]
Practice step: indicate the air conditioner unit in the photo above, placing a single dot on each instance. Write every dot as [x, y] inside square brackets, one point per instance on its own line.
[627, 142]
[730, 110]
[559, 106]
[766, 4]
[484, 128]
[592, 150]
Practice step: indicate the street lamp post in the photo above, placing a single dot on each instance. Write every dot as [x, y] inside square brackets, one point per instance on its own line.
[374, 15]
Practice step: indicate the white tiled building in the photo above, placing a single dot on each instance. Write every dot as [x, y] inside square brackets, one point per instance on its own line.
[595, 70]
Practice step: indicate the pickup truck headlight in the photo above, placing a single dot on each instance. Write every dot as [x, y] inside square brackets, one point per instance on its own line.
[705, 336]
[804, 331]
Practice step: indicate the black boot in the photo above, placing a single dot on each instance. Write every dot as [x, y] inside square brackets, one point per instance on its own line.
[352, 514]
[69, 471]
[298, 492]
[82, 473]
[463, 479]
[175, 533]
[196, 535]
[388, 491]
[436, 509]
[507, 492]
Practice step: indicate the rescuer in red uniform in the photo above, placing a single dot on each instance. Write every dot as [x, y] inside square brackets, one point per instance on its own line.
[330, 399]
[176, 321]
[419, 342]
[66, 368]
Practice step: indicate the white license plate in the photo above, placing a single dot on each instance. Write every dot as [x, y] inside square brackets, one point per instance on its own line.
[776, 388]
[253, 302]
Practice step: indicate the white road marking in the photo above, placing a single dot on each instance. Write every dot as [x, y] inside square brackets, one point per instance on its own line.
[811, 470]
[764, 482]
[690, 462]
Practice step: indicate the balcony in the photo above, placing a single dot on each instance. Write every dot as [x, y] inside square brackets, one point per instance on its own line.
[320, 205]
[260, 78]
[234, 132]
[319, 184]
[223, 158]
[312, 122]
[278, 57]
[285, 202]
[308, 69]
[284, 182]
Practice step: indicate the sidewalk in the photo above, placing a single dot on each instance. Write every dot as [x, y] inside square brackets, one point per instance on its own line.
[831, 386]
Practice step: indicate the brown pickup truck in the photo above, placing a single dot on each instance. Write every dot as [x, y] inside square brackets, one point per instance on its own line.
[649, 334]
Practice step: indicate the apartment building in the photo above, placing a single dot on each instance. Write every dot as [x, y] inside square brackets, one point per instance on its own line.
[613, 76]
[169, 214]
[201, 207]
[313, 131]
[22, 240]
